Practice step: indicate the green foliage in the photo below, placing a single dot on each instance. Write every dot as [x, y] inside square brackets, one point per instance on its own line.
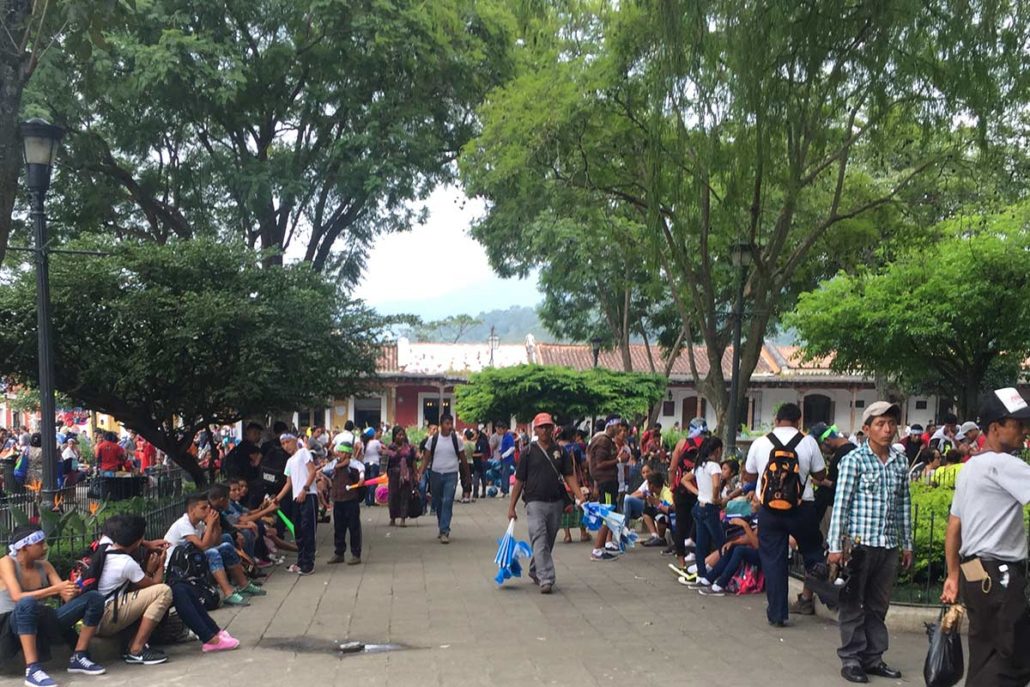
[311, 122]
[167, 338]
[795, 127]
[525, 390]
[951, 318]
[26, 400]
[510, 325]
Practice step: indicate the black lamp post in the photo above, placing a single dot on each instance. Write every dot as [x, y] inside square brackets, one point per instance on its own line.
[41, 141]
[494, 342]
[740, 255]
[595, 344]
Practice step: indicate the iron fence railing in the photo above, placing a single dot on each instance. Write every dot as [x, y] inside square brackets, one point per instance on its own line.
[922, 585]
[73, 517]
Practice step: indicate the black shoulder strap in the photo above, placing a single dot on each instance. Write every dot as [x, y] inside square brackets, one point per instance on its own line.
[432, 446]
[792, 445]
[454, 440]
[775, 440]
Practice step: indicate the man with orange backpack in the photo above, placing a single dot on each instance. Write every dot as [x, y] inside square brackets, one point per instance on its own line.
[785, 462]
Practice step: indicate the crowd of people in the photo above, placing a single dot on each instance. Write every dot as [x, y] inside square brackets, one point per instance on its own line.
[728, 524]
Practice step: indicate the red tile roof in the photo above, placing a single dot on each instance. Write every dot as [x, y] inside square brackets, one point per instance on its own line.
[581, 357]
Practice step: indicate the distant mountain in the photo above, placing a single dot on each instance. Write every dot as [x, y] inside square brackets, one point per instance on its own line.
[510, 325]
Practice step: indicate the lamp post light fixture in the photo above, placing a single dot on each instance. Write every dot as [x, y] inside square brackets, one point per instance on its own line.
[494, 341]
[40, 143]
[595, 345]
[741, 255]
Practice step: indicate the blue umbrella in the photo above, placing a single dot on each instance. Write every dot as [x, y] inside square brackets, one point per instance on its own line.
[595, 515]
[509, 551]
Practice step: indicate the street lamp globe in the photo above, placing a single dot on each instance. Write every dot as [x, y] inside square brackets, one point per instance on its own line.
[40, 141]
[741, 254]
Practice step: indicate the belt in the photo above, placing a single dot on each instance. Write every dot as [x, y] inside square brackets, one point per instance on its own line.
[991, 559]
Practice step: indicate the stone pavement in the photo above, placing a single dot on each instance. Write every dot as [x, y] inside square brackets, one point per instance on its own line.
[624, 622]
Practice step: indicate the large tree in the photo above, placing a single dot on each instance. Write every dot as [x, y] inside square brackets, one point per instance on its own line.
[951, 319]
[792, 127]
[171, 338]
[308, 126]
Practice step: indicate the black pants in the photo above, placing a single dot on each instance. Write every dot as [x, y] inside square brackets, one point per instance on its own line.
[479, 478]
[190, 608]
[683, 502]
[305, 521]
[999, 628]
[863, 605]
[774, 533]
[347, 518]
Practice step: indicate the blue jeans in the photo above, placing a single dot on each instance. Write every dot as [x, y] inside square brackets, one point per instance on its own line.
[773, 546]
[633, 507]
[371, 472]
[87, 607]
[222, 556]
[443, 484]
[192, 612]
[728, 565]
[710, 535]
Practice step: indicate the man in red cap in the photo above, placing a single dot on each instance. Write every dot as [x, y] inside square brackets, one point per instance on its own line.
[544, 478]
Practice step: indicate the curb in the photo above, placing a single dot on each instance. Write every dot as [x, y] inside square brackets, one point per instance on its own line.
[900, 617]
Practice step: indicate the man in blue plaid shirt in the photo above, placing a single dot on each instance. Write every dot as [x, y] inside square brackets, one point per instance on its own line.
[873, 509]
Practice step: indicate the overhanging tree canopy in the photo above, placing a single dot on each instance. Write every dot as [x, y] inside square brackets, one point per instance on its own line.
[525, 390]
[170, 338]
[943, 319]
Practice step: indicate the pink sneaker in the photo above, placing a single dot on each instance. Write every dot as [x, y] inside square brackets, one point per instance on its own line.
[223, 641]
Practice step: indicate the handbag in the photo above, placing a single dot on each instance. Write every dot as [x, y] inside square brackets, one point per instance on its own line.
[944, 665]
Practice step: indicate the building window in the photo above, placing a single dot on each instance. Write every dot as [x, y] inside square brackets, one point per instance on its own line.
[368, 412]
[431, 409]
[860, 403]
[921, 405]
[668, 408]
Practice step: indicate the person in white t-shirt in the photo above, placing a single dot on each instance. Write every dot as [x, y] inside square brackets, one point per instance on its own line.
[132, 595]
[706, 482]
[300, 484]
[372, 453]
[780, 521]
[445, 453]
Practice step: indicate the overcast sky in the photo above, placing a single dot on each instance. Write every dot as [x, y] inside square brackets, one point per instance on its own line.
[444, 271]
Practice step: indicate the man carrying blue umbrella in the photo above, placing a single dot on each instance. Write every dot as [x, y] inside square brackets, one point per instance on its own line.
[544, 479]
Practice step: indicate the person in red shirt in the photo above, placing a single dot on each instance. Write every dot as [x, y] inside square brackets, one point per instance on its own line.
[110, 456]
[146, 453]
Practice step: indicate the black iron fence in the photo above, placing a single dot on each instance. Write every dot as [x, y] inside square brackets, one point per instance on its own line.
[73, 517]
[922, 585]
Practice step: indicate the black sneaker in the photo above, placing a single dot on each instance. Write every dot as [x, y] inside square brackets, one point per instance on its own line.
[147, 657]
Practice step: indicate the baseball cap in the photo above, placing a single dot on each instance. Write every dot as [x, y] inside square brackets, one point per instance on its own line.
[543, 419]
[820, 431]
[881, 408]
[1001, 404]
[965, 429]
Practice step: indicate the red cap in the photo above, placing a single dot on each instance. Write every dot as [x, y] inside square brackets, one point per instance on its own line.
[543, 419]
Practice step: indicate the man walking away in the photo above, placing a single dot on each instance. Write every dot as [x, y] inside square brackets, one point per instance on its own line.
[603, 459]
[785, 462]
[543, 476]
[445, 451]
[874, 510]
[986, 546]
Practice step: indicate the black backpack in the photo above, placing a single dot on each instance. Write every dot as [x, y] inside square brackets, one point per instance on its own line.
[86, 571]
[188, 565]
[781, 487]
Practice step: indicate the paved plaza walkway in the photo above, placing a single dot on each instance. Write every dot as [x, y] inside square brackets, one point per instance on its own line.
[623, 623]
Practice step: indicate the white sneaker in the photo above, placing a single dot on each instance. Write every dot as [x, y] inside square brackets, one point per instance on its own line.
[692, 569]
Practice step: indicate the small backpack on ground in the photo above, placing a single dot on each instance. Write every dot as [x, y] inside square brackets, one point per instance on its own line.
[749, 580]
[188, 565]
[782, 486]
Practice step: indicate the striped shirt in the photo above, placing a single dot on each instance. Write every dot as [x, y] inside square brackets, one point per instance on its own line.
[872, 503]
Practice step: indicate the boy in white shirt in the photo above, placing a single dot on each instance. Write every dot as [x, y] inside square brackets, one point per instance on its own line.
[300, 483]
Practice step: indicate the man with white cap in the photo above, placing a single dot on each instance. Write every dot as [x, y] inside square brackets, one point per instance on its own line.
[970, 439]
[543, 477]
[872, 508]
[986, 546]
